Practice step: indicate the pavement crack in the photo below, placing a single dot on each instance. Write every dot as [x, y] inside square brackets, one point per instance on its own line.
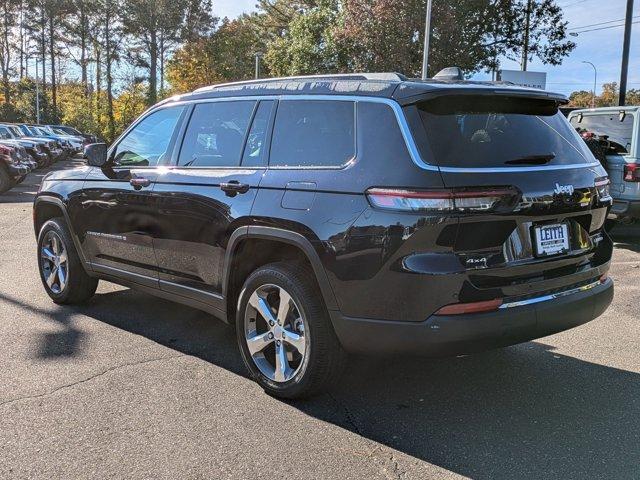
[347, 414]
[92, 377]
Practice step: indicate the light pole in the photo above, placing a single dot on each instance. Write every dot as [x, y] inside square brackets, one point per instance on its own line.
[427, 34]
[595, 83]
[258, 57]
[37, 94]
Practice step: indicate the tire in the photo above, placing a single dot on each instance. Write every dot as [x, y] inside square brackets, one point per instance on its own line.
[609, 224]
[6, 182]
[75, 286]
[308, 319]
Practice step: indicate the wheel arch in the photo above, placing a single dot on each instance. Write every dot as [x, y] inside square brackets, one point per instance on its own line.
[277, 236]
[46, 207]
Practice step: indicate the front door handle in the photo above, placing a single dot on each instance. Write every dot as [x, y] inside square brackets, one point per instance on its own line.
[234, 187]
[139, 182]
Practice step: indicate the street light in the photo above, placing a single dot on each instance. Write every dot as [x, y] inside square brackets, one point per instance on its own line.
[427, 34]
[595, 83]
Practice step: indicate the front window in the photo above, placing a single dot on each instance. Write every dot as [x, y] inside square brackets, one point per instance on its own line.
[490, 131]
[147, 143]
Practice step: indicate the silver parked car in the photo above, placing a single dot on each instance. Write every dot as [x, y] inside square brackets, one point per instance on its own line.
[617, 131]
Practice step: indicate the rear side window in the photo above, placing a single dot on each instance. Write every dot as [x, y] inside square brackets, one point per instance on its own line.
[618, 128]
[215, 135]
[313, 133]
[488, 131]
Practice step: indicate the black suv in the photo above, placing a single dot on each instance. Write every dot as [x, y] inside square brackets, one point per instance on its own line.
[356, 213]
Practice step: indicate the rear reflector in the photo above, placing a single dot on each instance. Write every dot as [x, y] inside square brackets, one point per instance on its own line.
[438, 200]
[475, 307]
[632, 172]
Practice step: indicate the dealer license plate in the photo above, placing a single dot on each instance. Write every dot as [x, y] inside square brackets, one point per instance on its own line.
[552, 239]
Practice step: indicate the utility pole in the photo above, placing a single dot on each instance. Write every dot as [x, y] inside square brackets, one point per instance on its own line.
[595, 83]
[625, 54]
[258, 56]
[427, 34]
[525, 47]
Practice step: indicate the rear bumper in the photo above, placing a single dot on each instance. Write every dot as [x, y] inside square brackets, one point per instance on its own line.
[625, 208]
[463, 334]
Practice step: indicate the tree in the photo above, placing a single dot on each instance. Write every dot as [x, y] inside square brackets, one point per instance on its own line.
[225, 55]
[8, 24]
[308, 46]
[387, 35]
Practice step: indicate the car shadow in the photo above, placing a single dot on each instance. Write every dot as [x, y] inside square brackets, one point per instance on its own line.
[627, 237]
[521, 412]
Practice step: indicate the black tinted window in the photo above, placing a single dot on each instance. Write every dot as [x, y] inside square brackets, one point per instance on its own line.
[313, 133]
[254, 150]
[215, 135]
[146, 144]
[619, 131]
[487, 131]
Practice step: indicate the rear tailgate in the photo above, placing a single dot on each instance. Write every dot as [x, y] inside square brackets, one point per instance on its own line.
[548, 235]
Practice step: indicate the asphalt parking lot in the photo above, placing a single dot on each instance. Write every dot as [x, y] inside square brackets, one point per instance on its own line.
[130, 386]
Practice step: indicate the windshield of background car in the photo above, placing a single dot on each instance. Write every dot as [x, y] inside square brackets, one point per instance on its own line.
[617, 127]
[490, 131]
[4, 133]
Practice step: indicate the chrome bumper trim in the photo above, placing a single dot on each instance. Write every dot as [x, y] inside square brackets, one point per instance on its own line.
[553, 296]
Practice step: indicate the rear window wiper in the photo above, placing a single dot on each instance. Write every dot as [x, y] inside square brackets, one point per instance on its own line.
[532, 159]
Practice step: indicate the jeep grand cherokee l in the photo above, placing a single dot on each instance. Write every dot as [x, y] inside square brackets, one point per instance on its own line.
[356, 213]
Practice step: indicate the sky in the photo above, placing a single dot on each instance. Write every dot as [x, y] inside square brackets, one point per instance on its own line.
[601, 47]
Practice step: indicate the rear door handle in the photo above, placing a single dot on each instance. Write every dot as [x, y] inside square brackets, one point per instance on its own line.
[234, 187]
[139, 182]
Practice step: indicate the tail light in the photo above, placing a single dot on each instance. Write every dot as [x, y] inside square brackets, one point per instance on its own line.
[474, 307]
[603, 185]
[482, 200]
[632, 172]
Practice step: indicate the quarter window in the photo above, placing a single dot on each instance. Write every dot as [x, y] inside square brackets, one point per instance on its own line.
[313, 133]
[146, 144]
[215, 135]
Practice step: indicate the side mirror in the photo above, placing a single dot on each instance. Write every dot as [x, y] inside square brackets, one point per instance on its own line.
[96, 154]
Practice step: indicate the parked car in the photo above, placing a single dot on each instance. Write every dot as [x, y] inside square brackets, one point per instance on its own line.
[89, 138]
[12, 170]
[32, 148]
[615, 131]
[65, 145]
[76, 142]
[58, 150]
[47, 146]
[360, 213]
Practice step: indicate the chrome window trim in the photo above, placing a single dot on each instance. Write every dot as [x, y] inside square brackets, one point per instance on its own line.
[400, 118]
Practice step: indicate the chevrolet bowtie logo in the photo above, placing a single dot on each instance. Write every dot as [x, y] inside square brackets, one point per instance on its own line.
[560, 189]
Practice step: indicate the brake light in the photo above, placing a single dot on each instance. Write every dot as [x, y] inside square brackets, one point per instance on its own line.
[474, 307]
[438, 200]
[632, 172]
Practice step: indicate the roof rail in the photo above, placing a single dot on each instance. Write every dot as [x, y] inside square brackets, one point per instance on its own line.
[382, 76]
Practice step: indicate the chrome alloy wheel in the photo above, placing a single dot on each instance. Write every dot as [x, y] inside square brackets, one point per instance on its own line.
[275, 333]
[54, 262]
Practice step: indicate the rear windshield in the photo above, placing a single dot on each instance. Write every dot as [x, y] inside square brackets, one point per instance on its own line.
[490, 131]
[618, 128]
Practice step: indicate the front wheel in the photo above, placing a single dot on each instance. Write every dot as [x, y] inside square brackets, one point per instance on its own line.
[285, 334]
[61, 270]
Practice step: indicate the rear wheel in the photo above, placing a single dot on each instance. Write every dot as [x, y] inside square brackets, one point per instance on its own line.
[61, 270]
[285, 334]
